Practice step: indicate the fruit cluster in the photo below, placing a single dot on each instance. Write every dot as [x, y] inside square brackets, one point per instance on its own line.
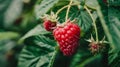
[67, 35]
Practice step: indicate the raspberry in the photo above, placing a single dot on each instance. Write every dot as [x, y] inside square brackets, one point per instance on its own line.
[50, 21]
[48, 25]
[68, 37]
[96, 47]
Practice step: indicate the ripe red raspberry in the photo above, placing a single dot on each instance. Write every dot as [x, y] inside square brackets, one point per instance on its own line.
[48, 25]
[50, 21]
[68, 38]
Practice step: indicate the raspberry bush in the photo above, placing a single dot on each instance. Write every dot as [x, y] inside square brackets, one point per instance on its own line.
[60, 33]
[81, 42]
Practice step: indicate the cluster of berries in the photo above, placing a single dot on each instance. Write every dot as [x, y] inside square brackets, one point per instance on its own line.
[67, 34]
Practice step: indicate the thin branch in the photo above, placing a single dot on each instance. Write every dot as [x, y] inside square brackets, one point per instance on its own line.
[96, 32]
[68, 10]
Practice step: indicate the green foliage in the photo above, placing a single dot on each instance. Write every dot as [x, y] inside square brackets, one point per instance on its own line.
[38, 52]
[8, 35]
[6, 45]
[114, 2]
[114, 25]
[40, 48]
[44, 7]
[84, 21]
[36, 31]
[10, 10]
[91, 60]
[92, 4]
[82, 57]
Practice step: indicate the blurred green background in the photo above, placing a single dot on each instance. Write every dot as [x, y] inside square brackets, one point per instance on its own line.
[16, 18]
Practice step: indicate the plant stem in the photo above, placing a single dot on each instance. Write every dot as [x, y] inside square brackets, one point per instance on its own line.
[65, 7]
[61, 9]
[96, 32]
[53, 57]
[99, 12]
[68, 10]
[87, 61]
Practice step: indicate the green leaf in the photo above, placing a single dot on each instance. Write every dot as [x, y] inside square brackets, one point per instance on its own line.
[114, 58]
[114, 13]
[10, 10]
[114, 28]
[73, 13]
[88, 62]
[114, 25]
[94, 14]
[36, 31]
[38, 52]
[84, 21]
[112, 31]
[6, 45]
[92, 3]
[83, 18]
[8, 35]
[79, 57]
[44, 7]
[114, 2]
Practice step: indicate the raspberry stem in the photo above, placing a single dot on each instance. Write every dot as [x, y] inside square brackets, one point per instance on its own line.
[61, 9]
[96, 32]
[65, 7]
[68, 10]
[53, 57]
